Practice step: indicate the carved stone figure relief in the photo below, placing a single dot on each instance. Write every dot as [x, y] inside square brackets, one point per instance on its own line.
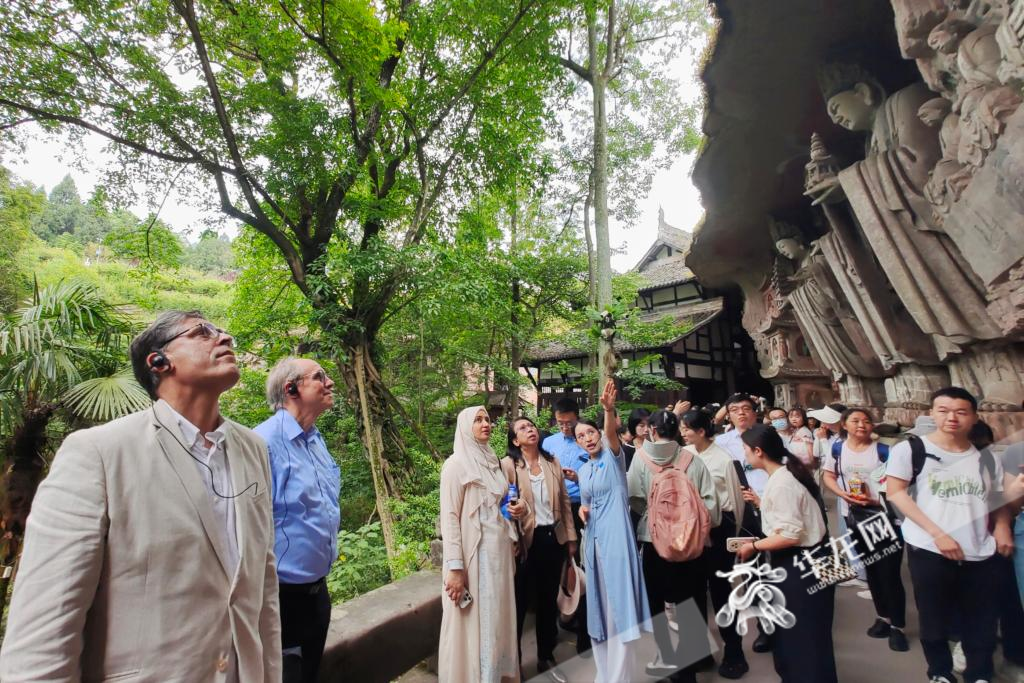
[886, 194]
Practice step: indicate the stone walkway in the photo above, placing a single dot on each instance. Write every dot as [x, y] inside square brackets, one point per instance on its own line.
[859, 659]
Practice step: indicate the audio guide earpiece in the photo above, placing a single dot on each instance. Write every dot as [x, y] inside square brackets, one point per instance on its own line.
[159, 361]
[291, 389]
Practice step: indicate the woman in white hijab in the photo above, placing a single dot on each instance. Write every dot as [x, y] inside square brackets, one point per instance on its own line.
[478, 626]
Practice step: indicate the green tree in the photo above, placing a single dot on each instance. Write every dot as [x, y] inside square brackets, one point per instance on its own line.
[62, 357]
[211, 254]
[337, 130]
[20, 203]
[151, 244]
[626, 45]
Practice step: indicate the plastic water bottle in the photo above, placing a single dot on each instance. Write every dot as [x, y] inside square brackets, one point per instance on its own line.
[511, 497]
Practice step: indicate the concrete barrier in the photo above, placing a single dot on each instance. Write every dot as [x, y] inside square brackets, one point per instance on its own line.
[381, 635]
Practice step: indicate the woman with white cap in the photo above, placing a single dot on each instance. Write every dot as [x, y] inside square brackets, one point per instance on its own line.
[478, 623]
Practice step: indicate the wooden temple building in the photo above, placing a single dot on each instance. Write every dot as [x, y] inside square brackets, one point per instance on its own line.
[863, 181]
[711, 358]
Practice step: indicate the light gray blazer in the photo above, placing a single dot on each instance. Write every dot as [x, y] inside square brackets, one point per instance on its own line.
[124, 576]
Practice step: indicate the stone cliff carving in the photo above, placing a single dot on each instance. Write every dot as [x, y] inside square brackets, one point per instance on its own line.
[886, 193]
[889, 331]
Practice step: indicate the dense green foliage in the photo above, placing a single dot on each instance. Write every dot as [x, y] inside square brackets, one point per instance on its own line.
[399, 186]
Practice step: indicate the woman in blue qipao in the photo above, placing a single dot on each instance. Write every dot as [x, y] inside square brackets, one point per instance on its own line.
[617, 609]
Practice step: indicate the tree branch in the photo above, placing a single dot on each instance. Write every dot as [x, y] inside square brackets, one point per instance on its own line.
[42, 115]
[577, 69]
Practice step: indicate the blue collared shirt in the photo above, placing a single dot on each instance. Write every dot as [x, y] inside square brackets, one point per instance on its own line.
[306, 487]
[570, 455]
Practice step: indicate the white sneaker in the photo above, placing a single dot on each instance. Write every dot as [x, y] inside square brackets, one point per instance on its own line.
[959, 660]
[864, 595]
[939, 679]
[670, 615]
[658, 668]
[854, 583]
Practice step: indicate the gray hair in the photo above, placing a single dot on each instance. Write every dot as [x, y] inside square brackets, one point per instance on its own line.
[152, 339]
[286, 370]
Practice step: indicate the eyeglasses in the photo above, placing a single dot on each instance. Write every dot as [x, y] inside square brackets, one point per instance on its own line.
[206, 331]
[741, 408]
[318, 375]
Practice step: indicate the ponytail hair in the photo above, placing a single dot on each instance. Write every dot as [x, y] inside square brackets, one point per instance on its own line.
[768, 440]
[665, 423]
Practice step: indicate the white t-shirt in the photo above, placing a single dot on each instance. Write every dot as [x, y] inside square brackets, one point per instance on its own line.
[541, 500]
[954, 495]
[796, 443]
[854, 464]
[733, 444]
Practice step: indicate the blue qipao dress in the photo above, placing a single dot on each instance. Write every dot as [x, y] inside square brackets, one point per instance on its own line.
[614, 576]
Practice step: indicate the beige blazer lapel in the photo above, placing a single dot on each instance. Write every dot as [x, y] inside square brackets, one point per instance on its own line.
[246, 483]
[196, 489]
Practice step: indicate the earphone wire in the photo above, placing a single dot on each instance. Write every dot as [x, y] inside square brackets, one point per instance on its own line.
[254, 485]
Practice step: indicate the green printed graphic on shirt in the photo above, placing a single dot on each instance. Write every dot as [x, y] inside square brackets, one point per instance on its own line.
[956, 486]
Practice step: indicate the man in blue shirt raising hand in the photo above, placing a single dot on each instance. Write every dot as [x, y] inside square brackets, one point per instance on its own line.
[306, 486]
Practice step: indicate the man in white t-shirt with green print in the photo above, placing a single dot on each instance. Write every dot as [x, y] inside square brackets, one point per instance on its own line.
[951, 552]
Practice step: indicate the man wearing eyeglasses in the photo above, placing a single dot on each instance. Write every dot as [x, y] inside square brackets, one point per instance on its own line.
[307, 483]
[149, 550]
[562, 444]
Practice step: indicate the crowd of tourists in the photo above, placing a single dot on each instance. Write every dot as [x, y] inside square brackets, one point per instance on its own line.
[648, 514]
[174, 544]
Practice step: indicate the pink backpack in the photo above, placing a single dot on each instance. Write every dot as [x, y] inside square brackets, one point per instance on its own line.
[677, 518]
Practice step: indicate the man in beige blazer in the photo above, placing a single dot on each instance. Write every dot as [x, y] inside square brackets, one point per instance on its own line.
[149, 549]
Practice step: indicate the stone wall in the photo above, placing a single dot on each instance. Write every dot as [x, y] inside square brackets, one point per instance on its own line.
[901, 268]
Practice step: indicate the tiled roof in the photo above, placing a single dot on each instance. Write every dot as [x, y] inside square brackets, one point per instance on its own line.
[665, 272]
[575, 344]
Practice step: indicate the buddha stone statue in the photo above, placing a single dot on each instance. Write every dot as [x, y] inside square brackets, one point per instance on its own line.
[886, 193]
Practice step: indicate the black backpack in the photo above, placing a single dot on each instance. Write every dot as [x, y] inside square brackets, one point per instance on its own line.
[918, 455]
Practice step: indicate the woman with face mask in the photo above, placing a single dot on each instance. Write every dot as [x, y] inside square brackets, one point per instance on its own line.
[617, 608]
[853, 471]
[668, 581]
[795, 441]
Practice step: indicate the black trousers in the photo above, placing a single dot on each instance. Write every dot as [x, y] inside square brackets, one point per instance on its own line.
[582, 635]
[537, 582]
[1011, 613]
[720, 559]
[944, 587]
[884, 578]
[305, 617]
[804, 653]
[673, 582]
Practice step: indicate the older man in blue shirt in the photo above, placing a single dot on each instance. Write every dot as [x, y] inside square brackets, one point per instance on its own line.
[562, 444]
[306, 486]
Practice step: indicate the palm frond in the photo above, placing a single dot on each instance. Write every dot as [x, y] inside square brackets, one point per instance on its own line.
[104, 398]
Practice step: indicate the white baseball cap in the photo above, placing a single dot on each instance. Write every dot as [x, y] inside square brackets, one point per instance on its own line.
[826, 415]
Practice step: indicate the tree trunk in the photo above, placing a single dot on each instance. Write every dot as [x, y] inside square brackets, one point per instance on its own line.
[515, 347]
[591, 257]
[24, 454]
[603, 264]
[364, 388]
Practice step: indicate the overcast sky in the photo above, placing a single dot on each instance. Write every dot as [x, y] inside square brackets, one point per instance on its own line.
[46, 161]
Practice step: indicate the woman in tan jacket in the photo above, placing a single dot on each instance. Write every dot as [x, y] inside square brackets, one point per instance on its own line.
[478, 637]
[547, 535]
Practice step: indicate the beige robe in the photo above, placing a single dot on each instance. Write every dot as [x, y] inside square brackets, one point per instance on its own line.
[478, 642]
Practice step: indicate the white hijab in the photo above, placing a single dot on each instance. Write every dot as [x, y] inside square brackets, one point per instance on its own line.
[480, 455]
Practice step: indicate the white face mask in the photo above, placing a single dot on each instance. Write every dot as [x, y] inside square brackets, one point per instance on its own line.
[780, 423]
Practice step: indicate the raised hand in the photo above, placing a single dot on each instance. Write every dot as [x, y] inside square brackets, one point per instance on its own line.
[608, 396]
